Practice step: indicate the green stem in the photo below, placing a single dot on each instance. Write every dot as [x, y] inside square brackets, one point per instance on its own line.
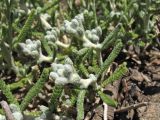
[21, 83]
[80, 105]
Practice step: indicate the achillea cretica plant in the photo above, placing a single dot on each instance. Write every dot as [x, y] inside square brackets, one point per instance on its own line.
[73, 57]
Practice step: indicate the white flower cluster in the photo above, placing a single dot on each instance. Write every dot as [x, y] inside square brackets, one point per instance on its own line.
[31, 48]
[94, 34]
[75, 28]
[52, 35]
[15, 112]
[64, 74]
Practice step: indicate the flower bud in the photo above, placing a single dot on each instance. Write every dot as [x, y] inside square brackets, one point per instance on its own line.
[54, 75]
[95, 38]
[88, 34]
[61, 81]
[49, 33]
[85, 12]
[34, 54]
[99, 31]
[94, 31]
[80, 31]
[28, 41]
[38, 42]
[68, 68]
[69, 30]
[80, 18]
[60, 72]
[74, 23]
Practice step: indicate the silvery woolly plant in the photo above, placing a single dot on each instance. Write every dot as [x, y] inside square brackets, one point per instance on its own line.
[137, 17]
[65, 74]
[73, 53]
[33, 49]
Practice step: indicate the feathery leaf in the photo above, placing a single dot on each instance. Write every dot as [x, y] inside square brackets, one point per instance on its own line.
[80, 105]
[7, 92]
[107, 99]
[57, 91]
[110, 58]
[118, 73]
[111, 37]
[35, 89]
[25, 28]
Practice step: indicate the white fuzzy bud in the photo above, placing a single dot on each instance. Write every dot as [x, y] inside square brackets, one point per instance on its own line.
[49, 33]
[50, 38]
[53, 75]
[55, 31]
[55, 66]
[94, 31]
[35, 53]
[85, 12]
[28, 41]
[61, 81]
[95, 38]
[60, 72]
[80, 31]
[99, 31]
[88, 34]
[67, 70]
[60, 66]
[69, 30]
[31, 48]
[80, 18]
[66, 22]
[74, 23]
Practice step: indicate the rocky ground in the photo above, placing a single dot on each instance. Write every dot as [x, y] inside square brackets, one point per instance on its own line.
[138, 93]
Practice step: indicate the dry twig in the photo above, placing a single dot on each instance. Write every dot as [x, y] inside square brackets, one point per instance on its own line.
[7, 110]
[135, 106]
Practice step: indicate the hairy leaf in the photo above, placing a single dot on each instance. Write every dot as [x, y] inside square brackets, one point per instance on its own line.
[107, 99]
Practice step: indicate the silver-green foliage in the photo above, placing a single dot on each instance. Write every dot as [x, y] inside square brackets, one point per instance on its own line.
[83, 68]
